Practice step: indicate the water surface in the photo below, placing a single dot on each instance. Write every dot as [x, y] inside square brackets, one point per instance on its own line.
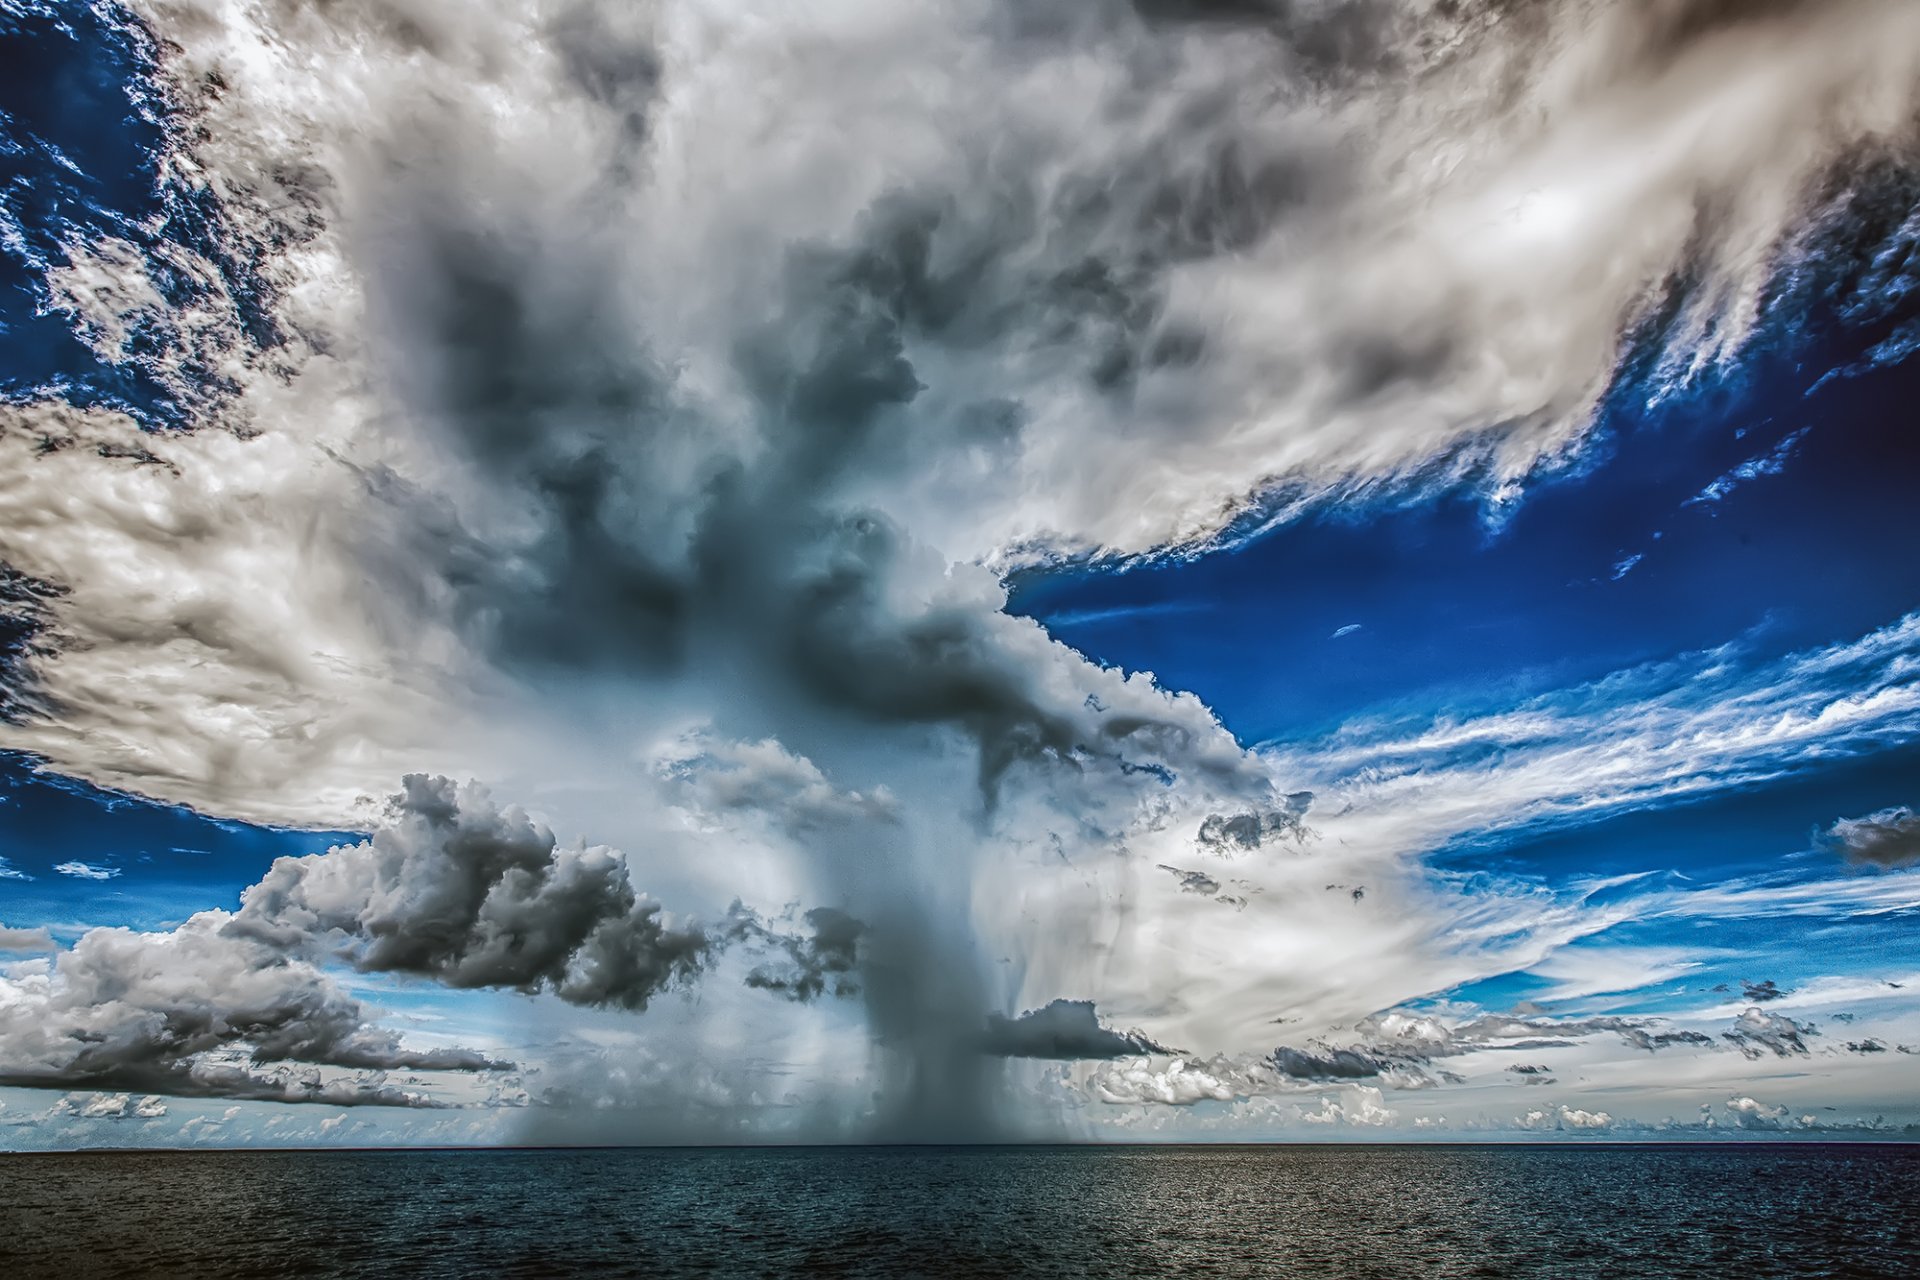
[1551, 1211]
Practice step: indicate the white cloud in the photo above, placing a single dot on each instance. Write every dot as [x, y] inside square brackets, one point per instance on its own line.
[1691, 726]
[110, 1106]
[85, 870]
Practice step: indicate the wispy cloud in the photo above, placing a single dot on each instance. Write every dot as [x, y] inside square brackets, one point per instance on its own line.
[1650, 735]
[1771, 463]
[1125, 613]
[85, 870]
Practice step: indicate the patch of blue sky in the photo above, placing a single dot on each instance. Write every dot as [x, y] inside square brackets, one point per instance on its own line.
[170, 862]
[77, 161]
[81, 136]
[1738, 831]
[1459, 616]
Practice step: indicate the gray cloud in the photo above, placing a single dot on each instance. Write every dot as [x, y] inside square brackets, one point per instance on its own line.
[1654, 1041]
[25, 939]
[814, 965]
[1756, 1032]
[457, 889]
[1333, 1064]
[1226, 833]
[1889, 838]
[197, 1013]
[1063, 1029]
[1193, 881]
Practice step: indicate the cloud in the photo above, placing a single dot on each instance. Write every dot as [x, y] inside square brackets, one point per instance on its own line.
[10, 872]
[1762, 992]
[1771, 463]
[827, 960]
[1347, 630]
[167, 1013]
[1696, 725]
[1180, 1083]
[1063, 1029]
[1888, 838]
[1224, 833]
[1334, 1064]
[1355, 1104]
[454, 888]
[25, 939]
[1756, 1030]
[85, 871]
[1193, 881]
[1564, 1118]
[1746, 1113]
[110, 1106]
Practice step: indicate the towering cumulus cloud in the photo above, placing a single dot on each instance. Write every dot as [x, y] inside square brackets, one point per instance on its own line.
[637, 407]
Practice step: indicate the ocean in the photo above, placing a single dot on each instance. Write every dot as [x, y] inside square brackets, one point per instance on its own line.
[1732, 1210]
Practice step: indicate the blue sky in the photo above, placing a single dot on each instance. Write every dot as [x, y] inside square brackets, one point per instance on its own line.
[1581, 681]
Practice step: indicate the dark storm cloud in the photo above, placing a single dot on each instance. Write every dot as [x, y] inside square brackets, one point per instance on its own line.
[661, 548]
[812, 966]
[1762, 992]
[1865, 1046]
[455, 888]
[1889, 838]
[1332, 1064]
[1063, 1030]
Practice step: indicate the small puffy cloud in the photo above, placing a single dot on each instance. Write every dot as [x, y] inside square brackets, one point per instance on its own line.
[1762, 992]
[1345, 631]
[1889, 838]
[85, 870]
[1181, 1083]
[10, 872]
[1748, 1113]
[1574, 1118]
[110, 1106]
[1354, 1104]
[1552, 1119]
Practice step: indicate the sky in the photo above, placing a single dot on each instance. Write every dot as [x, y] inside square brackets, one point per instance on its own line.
[955, 570]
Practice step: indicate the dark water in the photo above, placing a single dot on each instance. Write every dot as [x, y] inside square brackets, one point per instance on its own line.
[1050, 1211]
